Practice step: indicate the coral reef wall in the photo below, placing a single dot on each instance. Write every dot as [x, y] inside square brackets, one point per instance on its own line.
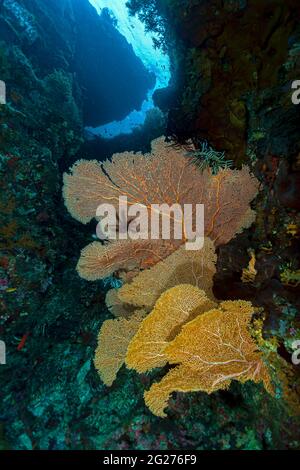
[51, 395]
[235, 63]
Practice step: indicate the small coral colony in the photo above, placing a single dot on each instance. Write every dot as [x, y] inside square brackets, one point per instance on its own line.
[165, 312]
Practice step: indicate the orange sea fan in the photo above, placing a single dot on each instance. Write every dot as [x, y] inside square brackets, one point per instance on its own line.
[98, 260]
[82, 189]
[166, 176]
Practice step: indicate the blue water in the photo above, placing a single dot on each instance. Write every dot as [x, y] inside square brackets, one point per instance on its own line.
[154, 60]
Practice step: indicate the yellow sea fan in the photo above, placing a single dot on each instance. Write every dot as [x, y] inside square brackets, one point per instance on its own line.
[182, 267]
[211, 350]
[175, 307]
[116, 306]
[179, 379]
[113, 340]
[217, 339]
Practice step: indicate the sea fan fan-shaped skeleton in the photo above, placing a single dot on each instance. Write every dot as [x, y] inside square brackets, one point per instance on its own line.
[166, 176]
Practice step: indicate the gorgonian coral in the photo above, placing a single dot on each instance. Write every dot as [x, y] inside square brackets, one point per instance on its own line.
[173, 309]
[181, 267]
[135, 299]
[210, 344]
[166, 176]
[113, 340]
[210, 350]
